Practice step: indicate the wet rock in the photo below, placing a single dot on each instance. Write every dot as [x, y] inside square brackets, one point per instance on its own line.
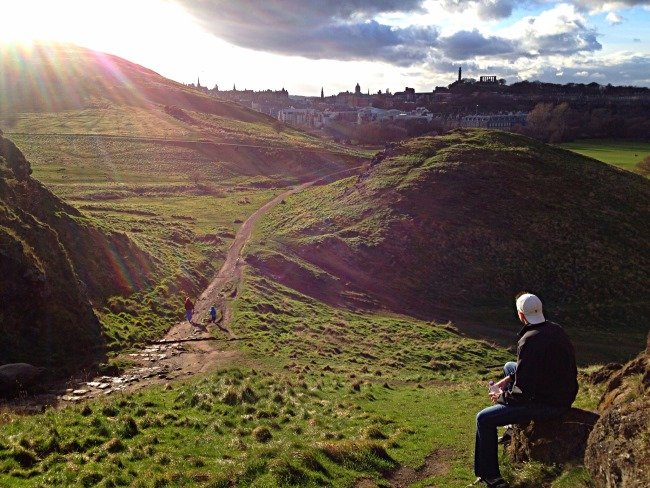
[80, 392]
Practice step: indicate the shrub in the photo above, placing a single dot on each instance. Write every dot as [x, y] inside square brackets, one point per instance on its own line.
[643, 166]
[358, 454]
[129, 428]
[262, 434]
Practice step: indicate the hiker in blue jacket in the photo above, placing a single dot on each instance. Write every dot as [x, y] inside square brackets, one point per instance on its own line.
[213, 314]
[542, 384]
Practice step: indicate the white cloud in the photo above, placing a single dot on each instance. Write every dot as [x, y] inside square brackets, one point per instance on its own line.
[598, 6]
[613, 18]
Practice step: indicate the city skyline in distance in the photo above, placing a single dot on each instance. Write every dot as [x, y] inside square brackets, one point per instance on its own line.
[304, 46]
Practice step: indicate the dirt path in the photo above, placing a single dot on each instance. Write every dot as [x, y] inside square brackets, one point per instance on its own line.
[436, 463]
[186, 349]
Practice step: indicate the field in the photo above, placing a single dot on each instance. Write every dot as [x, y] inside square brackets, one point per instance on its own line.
[293, 388]
[623, 154]
[179, 199]
[321, 397]
[317, 395]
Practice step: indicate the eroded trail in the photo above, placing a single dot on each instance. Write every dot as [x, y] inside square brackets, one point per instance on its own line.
[186, 349]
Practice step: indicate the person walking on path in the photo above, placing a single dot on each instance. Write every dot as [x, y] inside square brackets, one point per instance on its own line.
[213, 314]
[541, 384]
[189, 309]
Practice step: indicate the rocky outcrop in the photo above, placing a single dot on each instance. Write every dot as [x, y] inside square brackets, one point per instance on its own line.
[618, 450]
[53, 263]
[107, 262]
[554, 441]
[44, 304]
[18, 377]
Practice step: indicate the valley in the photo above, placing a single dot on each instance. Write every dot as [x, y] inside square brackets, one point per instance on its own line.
[365, 297]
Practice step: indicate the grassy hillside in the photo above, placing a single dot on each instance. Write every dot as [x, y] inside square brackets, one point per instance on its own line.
[65, 89]
[153, 163]
[58, 77]
[452, 227]
[319, 396]
[325, 384]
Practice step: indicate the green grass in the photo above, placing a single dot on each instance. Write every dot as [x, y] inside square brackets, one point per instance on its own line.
[173, 202]
[248, 428]
[323, 396]
[111, 119]
[313, 412]
[154, 122]
[624, 154]
[180, 202]
[302, 334]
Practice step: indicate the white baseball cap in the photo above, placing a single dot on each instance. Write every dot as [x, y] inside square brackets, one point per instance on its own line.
[531, 306]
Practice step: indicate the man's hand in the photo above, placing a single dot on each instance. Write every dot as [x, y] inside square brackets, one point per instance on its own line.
[503, 383]
[494, 397]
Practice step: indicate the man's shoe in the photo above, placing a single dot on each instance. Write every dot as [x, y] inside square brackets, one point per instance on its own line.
[506, 437]
[495, 483]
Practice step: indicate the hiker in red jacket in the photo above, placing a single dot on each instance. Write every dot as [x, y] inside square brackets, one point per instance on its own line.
[189, 309]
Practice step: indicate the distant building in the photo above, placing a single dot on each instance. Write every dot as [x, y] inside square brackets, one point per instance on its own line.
[371, 114]
[408, 95]
[494, 121]
[306, 117]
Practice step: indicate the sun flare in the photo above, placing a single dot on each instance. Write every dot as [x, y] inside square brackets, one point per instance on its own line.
[115, 27]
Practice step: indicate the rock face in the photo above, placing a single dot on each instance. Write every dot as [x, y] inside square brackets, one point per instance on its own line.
[618, 450]
[555, 441]
[53, 261]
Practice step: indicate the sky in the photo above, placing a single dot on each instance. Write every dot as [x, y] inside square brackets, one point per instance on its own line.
[303, 45]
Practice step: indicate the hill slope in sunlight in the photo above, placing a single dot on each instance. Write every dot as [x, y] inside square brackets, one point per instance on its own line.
[49, 90]
[454, 226]
[56, 77]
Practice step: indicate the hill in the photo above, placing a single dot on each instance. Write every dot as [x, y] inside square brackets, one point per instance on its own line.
[44, 301]
[63, 77]
[164, 170]
[67, 93]
[451, 227]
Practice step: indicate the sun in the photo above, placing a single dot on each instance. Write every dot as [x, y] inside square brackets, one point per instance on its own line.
[27, 21]
[101, 25]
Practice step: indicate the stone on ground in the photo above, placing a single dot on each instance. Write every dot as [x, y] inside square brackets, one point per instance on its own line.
[554, 441]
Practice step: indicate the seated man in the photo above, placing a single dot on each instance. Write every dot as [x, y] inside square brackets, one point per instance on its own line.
[543, 384]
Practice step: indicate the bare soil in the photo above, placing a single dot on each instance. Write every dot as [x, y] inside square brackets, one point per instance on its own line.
[435, 463]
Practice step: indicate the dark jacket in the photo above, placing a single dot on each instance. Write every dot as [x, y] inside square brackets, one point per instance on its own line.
[546, 367]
